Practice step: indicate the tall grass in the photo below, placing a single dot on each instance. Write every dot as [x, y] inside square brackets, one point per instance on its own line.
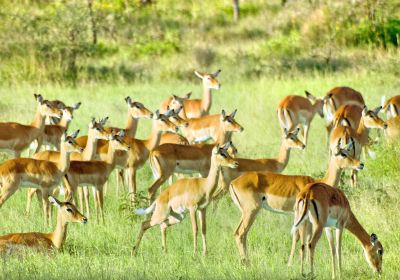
[96, 251]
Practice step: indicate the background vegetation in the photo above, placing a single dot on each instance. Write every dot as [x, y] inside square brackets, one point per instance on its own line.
[98, 52]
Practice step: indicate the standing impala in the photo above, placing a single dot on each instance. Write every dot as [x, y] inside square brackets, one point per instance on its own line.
[327, 207]
[17, 137]
[67, 213]
[391, 107]
[169, 158]
[196, 108]
[95, 132]
[187, 194]
[277, 193]
[295, 110]
[42, 174]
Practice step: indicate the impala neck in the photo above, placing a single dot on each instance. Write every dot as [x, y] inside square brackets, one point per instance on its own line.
[357, 230]
[63, 163]
[207, 99]
[60, 233]
[283, 157]
[154, 139]
[91, 146]
[64, 123]
[332, 175]
[131, 125]
[212, 178]
[362, 130]
[111, 158]
[38, 121]
[223, 136]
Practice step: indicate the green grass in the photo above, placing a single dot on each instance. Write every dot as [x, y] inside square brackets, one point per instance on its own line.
[103, 251]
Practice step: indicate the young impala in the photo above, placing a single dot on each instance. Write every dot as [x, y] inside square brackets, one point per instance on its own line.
[187, 194]
[41, 174]
[67, 213]
[391, 107]
[196, 108]
[95, 132]
[327, 207]
[277, 193]
[295, 110]
[17, 137]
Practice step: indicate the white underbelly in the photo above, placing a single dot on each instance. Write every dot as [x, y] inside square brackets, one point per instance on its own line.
[28, 184]
[331, 222]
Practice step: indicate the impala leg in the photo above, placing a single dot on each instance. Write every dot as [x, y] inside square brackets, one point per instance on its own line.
[172, 220]
[80, 195]
[39, 141]
[100, 198]
[241, 231]
[46, 205]
[354, 174]
[30, 194]
[317, 232]
[86, 197]
[132, 182]
[202, 214]
[7, 190]
[339, 232]
[154, 187]
[329, 236]
[17, 154]
[305, 133]
[295, 238]
[144, 227]
[193, 219]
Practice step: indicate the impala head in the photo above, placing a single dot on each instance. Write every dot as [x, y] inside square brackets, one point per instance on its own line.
[118, 142]
[291, 140]
[68, 212]
[137, 109]
[68, 111]
[96, 129]
[163, 123]
[209, 80]
[344, 156]
[228, 122]
[46, 108]
[173, 116]
[69, 142]
[371, 118]
[231, 149]
[373, 253]
[177, 101]
[318, 103]
[221, 156]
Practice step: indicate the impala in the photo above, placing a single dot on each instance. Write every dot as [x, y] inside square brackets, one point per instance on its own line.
[17, 137]
[392, 132]
[41, 174]
[52, 133]
[295, 110]
[173, 116]
[95, 172]
[95, 132]
[169, 158]
[211, 127]
[187, 194]
[196, 108]
[327, 207]
[175, 103]
[277, 193]
[391, 107]
[354, 122]
[67, 213]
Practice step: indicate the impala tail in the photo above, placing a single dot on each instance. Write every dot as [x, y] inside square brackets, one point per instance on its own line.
[145, 211]
[300, 211]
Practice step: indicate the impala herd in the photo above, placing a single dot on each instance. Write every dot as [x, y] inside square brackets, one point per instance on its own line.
[76, 163]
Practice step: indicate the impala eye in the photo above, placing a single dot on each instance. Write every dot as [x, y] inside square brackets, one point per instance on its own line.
[69, 210]
[380, 252]
[70, 142]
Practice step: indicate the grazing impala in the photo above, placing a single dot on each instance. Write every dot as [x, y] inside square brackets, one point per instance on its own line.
[52, 133]
[391, 107]
[295, 110]
[96, 131]
[175, 103]
[67, 213]
[327, 207]
[277, 193]
[17, 137]
[187, 194]
[96, 173]
[42, 174]
[196, 108]
[169, 158]
[211, 127]
[354, 122]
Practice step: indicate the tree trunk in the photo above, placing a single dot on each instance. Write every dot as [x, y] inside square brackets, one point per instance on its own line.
[93, 22]
[236, 10]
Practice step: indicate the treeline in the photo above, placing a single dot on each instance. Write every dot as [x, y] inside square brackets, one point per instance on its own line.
[126, 40]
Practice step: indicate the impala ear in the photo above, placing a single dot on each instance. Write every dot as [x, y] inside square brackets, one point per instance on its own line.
[121, 133]
[223, 114]
[38, 97]
[198, 74]
[227, 145]
[377, 109]
[157, 114]
[92, 123]
[383, 101]
[54, 201]
[285, 131]
[350, 146]
[128, 100]
[103, 121]
[76, 105]
[188, 95]
[216, 73]
[364, 111]
[296, 132]
[233, 114]
[64, 136]
[216, 149]
[310, 96]
[75, 134]
[174, 96]
[373, 239]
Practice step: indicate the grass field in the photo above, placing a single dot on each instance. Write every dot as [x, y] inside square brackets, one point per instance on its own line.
[103, 251]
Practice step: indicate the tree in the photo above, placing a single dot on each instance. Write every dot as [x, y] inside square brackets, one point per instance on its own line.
[236, 10]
